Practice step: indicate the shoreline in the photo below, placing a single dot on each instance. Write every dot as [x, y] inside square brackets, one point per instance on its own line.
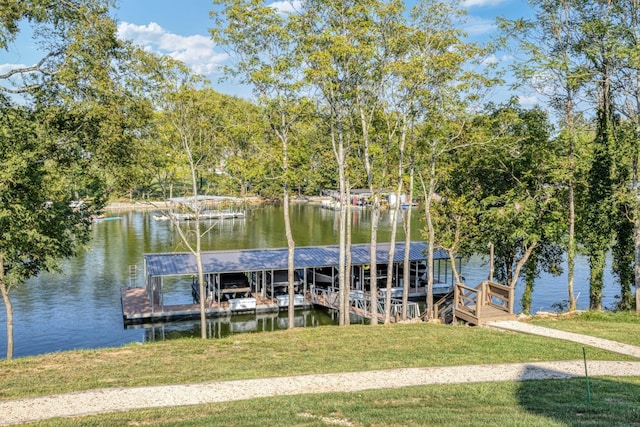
[164, 205]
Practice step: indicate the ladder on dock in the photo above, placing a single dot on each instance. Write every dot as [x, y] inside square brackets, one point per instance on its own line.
[360, 304]
[133, 275]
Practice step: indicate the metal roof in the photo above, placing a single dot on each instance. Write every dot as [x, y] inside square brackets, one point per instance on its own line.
[177, 264]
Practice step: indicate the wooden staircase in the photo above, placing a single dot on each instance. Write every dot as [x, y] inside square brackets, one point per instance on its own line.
[486, 302]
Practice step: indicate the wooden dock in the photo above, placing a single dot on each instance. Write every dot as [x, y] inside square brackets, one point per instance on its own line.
[136, 308]
[258, 265]
[489, 301]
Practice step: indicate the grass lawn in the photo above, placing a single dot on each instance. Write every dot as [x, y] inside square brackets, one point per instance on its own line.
[531, 403]
[615, 401]
[623, 327]
[290, 352]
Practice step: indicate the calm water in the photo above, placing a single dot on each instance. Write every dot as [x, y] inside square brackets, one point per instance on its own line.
[81, 308]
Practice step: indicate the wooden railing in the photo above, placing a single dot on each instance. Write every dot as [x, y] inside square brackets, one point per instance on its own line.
[325, 297]
[498, 296]
[487, 301]
[360, 303]
[443, 308]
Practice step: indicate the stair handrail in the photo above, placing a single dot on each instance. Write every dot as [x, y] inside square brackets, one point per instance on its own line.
[444, 304]
[504, 293]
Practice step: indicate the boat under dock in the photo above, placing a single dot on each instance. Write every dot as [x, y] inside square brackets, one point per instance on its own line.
[136, 308]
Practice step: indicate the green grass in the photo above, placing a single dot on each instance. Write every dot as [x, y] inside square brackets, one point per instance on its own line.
[617, 326]
[280, 353]
[531, 403]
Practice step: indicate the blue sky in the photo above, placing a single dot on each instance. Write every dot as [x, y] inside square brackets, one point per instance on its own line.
[180, 29]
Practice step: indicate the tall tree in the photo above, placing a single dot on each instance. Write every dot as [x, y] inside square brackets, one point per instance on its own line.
[441, 80]
[596, 44]
[63, 130]
[328, 31]
[260, 38]
[193, 124]
[555, 70]
[627, 247]
[511, 182]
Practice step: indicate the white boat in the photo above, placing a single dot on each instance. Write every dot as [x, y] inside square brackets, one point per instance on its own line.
[242, 304]
[283, 300]
[396, 292]
[324, 276]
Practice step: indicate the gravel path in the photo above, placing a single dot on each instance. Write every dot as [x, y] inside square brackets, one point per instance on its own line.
[122, 399]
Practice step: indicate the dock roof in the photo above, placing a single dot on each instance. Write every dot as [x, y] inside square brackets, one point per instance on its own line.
[242, 260]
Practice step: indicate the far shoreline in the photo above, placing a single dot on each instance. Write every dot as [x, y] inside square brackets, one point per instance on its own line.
[164, 205]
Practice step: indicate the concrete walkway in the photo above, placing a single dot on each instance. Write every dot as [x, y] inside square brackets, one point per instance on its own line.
[527, 328]
[123, 399]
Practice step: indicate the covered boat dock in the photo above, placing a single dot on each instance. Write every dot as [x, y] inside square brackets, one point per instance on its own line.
[262, 292]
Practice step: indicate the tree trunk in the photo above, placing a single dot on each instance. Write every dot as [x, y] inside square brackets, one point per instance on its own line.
[635, 184]
[198, 255]
[339, 151]
[513, 279]
[432, 235]
[407, 246]
[203, 297]
[347, 260]
[596, 277]
[342, 264]
[373, 269]
[375, 219]
[392, 251]
[4, 289]
[571, 249]
[287, 228]
[394, 223]
[290, 259]
[636, 229]
[529, 281]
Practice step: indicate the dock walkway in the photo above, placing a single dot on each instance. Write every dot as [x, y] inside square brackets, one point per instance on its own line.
[360, 304]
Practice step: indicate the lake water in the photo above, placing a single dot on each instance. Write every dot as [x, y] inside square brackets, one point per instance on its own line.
[81, 308]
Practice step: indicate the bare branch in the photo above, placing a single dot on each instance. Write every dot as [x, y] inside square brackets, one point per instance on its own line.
[37, 68]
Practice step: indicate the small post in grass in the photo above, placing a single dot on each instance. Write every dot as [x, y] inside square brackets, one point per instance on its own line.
[586, 374]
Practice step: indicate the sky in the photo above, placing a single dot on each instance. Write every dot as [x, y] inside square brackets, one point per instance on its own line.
[180, 29]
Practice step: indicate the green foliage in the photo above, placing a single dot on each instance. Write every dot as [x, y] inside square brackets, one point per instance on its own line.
[37, 223]
[507, 189]
[67, 133]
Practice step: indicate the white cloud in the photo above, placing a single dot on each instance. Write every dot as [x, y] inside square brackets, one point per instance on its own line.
[286, 6]
[491, 60]
[478, 26]
[481, 3]
[5, 68]
[528, 100]
[197, 51]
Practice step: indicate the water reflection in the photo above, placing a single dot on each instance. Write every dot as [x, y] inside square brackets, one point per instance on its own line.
[221, 327]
